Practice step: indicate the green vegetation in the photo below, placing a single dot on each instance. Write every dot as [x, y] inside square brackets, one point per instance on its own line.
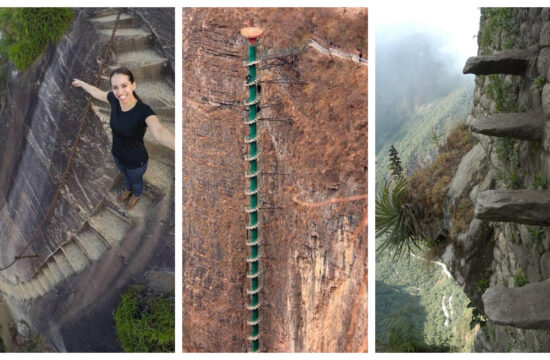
[536, 235]
[482, 285]
[520, 279]
[477, 317]
[413, 139]
[26, 32]
[409, 294]
[540, 183]
[538, 82]
[505, 94]
[145, 322]
[494, 23]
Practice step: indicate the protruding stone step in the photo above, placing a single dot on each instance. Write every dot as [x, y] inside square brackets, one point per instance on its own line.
[64, 265]
[528, 207]
[110, 224]
[124, 34]
[38, 286]
[108, 21]
[527, 307]
[93, 243]
[512, 62]
[524, 126]
[75, 255]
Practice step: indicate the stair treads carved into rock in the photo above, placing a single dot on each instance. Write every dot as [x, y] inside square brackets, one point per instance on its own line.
[110, 224]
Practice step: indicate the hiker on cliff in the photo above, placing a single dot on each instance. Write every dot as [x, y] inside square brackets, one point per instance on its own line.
[129, 119]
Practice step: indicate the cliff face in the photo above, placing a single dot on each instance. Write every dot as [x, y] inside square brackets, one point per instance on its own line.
[507, 243]
[86, 250]
[314, 215]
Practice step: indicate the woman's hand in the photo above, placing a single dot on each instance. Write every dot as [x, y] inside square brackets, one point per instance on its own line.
[92, 90]
[78, 83]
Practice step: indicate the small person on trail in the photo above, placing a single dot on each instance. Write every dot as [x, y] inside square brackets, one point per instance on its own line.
[129, 119]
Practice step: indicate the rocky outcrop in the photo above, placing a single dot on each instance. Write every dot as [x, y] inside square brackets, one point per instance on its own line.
[88, 250]
[513, 62]
[529, 207]
[508, 243]
[524, 126]
[527, 307]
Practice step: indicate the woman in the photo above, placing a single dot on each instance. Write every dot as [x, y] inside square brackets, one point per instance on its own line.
[129, 119]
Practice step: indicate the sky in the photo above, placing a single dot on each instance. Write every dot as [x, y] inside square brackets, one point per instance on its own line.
[457, 24]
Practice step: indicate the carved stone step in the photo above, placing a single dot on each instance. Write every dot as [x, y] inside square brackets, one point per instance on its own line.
[75, 255]
[64, 265]
[110, 224]
[527, 307]
[55, 270]
[528, 207]
[93, 243]
[524, 126]
[141, 40]
[108, 21]
[145, 64]
[512, 62]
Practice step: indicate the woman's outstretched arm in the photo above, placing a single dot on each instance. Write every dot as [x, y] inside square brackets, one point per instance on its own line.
[161, 134]
[92, 90]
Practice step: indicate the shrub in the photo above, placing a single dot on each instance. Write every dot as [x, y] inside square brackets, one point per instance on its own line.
[26, 32]
[145, 322]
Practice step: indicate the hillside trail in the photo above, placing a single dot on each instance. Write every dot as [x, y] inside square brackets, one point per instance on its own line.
[338, 53]
[108, 223]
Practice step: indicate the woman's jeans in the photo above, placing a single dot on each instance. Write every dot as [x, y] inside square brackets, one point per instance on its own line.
[133, 178]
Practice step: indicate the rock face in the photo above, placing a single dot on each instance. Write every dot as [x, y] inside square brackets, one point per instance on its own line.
[507, 244]
[88, 249]
[314, 227]
[513, 62]
[524, 126]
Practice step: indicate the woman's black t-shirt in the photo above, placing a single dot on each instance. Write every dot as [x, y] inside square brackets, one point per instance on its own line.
[128, 130]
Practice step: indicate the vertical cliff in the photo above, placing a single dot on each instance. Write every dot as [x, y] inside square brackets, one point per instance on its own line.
[80, 250]
[314, 160]
[501, 260]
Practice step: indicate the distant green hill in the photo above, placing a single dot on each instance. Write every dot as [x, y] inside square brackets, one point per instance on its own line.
[413, 139]
[410, 292]
[417, 289]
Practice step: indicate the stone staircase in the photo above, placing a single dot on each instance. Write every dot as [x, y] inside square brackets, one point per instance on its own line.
[109, 223]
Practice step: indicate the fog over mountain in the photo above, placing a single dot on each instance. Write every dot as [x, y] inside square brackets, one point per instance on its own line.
[411, 71]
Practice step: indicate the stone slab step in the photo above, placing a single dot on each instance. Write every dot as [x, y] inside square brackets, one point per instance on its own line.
[55, 271]
[124, 34]
[527, 307]
[157, 94]
[75, 255]
[108, 21]
[46, 270]
[93, 244]
[131, 42]
[64, 265]
[528, 207]
[524, 126]
[160, 175]
[144, 64]
[110, 225]
[147, 201]
[512, 62]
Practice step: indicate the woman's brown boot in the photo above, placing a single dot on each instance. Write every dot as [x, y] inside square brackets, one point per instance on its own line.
[123, 196]
[132, 202]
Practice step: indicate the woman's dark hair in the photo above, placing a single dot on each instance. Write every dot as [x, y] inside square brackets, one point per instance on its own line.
[127, 72]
